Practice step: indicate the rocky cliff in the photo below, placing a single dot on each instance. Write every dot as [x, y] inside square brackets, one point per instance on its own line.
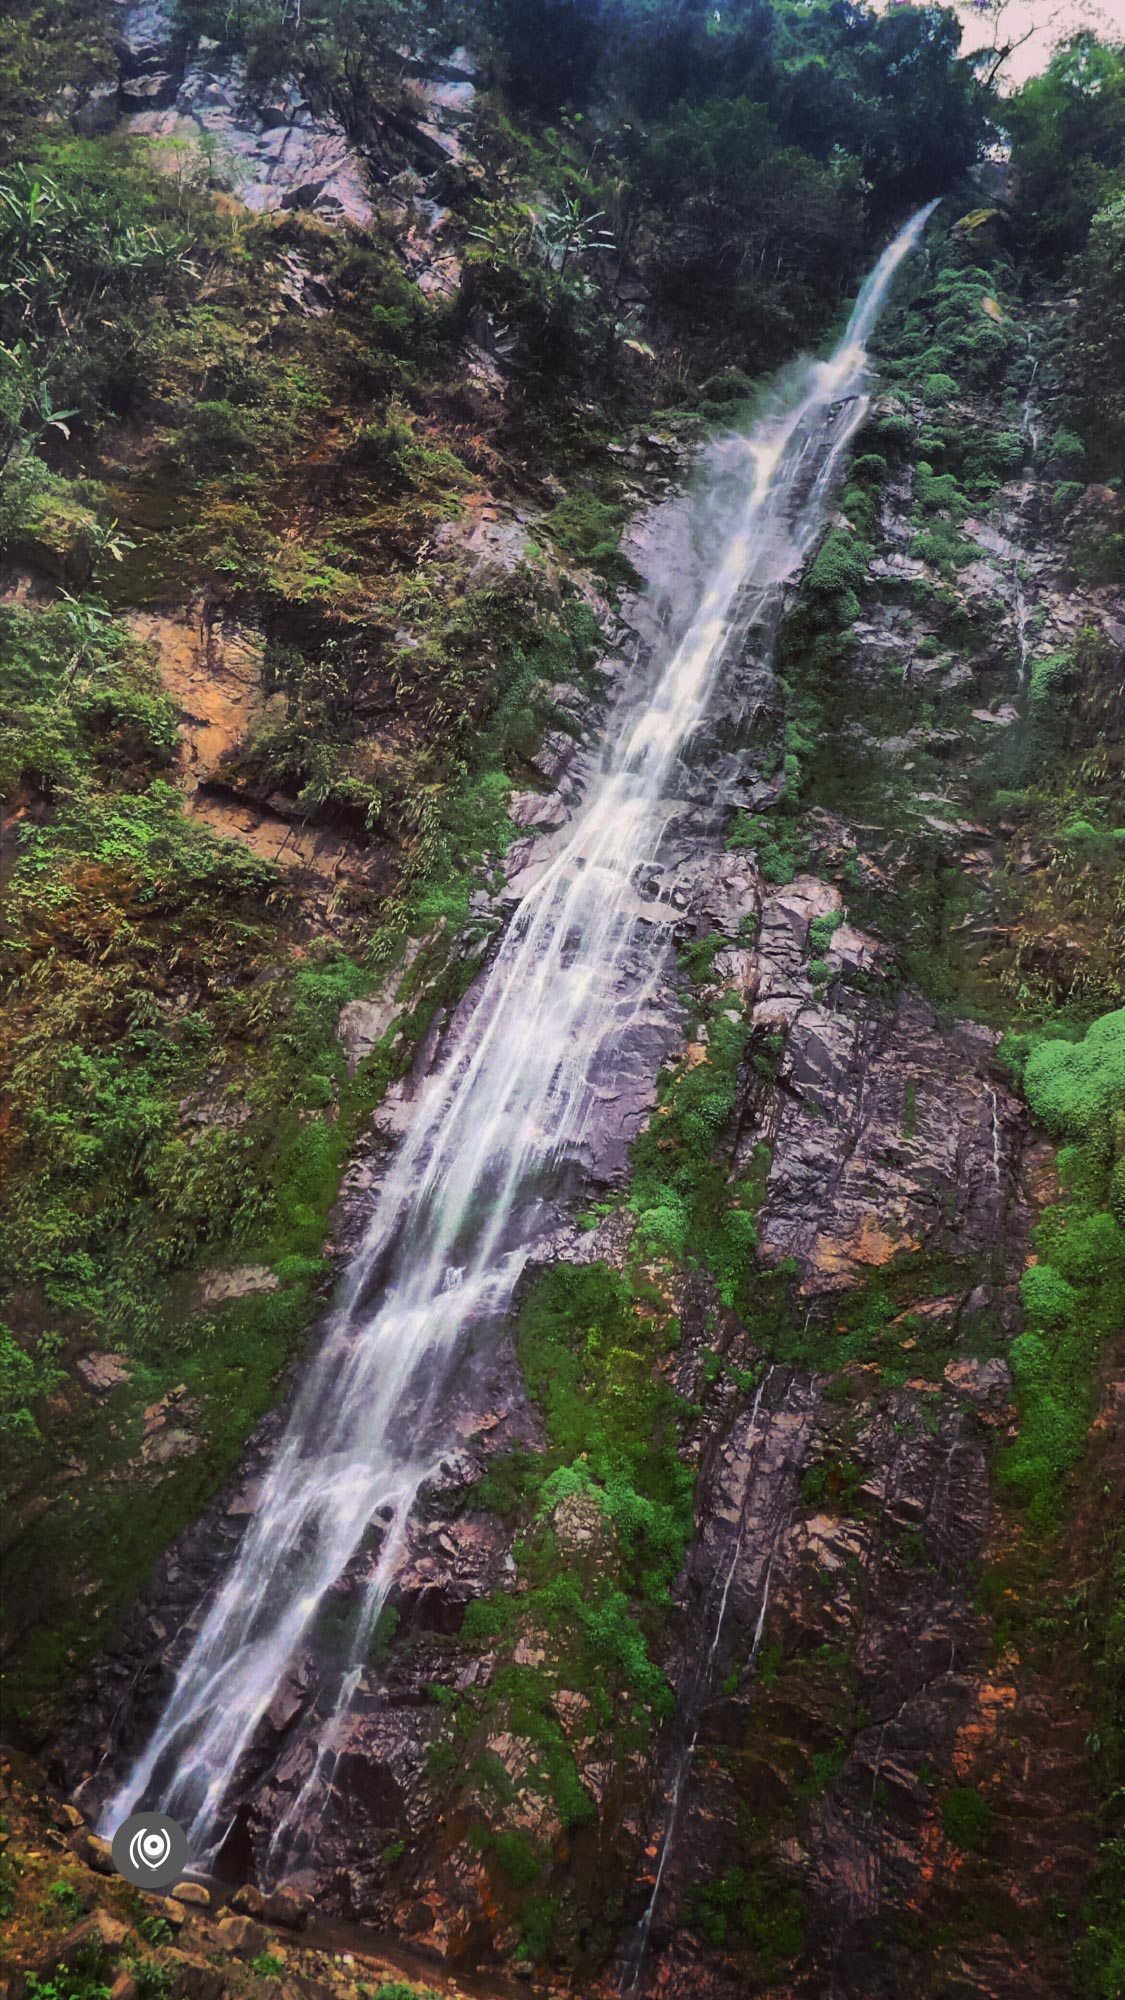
[862, 1754]
[753, 1637]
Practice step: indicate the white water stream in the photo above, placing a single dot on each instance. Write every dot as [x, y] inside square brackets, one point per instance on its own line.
[456, 1217]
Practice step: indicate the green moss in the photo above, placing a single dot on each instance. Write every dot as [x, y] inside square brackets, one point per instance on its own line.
[537, 1924]
[781, 848]
[686, 1203]
[1075, 1089]
[751, 1909]
[589, 528]
[966, 1819]
[587, 1352]
[1074, 1294]
[517, 1858]
[840, 565]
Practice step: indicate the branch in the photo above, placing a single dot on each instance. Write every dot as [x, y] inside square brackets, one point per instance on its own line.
[1007, 51]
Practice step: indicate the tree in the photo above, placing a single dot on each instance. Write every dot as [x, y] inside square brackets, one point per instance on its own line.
[1067, 129]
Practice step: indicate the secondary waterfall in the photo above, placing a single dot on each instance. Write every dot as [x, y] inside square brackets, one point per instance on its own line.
[494, 1127]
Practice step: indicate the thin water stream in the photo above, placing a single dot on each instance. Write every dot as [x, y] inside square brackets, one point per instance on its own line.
[495, 1129]
[692, 1702]
[1029, 431]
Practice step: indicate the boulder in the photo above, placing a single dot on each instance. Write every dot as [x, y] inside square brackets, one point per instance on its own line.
[101, 1373]
[241, 1936]
[275, 1906]
[194, 1894]
[98, 112]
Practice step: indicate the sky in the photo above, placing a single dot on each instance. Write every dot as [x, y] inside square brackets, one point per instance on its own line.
[993, 23]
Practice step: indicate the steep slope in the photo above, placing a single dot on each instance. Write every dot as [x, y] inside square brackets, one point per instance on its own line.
[864, 1753]
[758, 1632]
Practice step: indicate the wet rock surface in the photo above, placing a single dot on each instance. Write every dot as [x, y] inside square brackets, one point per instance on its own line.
[882, 1584]
[200, 1943]
[834, 1671]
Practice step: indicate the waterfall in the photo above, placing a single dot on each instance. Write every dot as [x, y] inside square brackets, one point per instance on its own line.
[496, 1125]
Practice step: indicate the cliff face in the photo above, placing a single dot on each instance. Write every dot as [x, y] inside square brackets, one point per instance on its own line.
[873, 1765]
[751, 1636]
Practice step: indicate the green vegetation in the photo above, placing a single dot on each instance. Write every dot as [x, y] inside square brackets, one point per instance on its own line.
[1100, 1614]
[265, 423]
[1068, 147]
[607, 1509]
[752, 190]
[767, 1918]
[686, 1204]
[1074, 1294]
[144, 958]
[586, 1345]
[590, 529]
[782, 848]
[966, 1819]
[82, 1980]
[65, 1902]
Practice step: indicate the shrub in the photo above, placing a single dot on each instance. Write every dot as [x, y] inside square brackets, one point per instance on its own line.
[731, 386]
[590, 529]
[1068, 450]
[517, 1858]
[1048, 1299]
[966, 1819]
[840, 564]
[938, 490]
[1074, 1295]
[822, 930]
[1072, 1087]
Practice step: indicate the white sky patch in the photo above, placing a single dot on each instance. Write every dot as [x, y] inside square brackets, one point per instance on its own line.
[1037, 26]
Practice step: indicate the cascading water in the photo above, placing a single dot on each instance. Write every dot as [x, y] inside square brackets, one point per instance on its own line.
[496, 1126]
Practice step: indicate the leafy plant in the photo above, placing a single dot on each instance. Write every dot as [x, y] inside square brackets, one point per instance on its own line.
[966, 1818]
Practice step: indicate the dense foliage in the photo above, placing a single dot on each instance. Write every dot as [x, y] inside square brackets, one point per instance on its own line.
[1068, 149]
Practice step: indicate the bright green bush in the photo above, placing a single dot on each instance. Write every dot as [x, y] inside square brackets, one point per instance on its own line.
[1048, 1300]
[840, 564]
[1074, 1088]
[1074, 1295]
[1067, 447]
